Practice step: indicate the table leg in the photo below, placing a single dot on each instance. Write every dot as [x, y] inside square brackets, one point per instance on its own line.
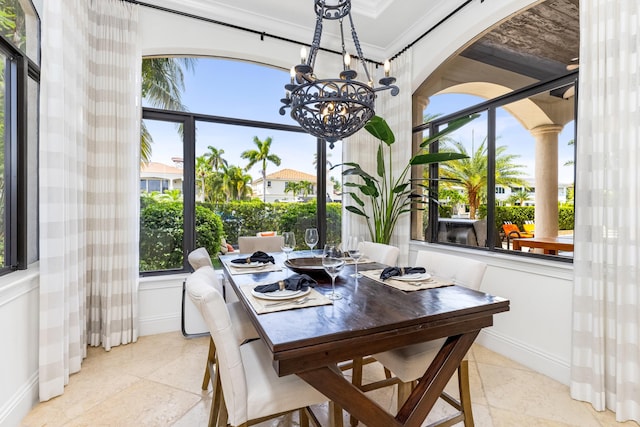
[330, 382]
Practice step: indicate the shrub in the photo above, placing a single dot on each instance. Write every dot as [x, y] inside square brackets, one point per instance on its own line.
[161, 235]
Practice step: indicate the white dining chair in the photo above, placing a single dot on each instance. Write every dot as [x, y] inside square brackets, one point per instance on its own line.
[379, 252]
[383, 254]
[250, 390]
[242, 326]
[250, 244]
[409, 363]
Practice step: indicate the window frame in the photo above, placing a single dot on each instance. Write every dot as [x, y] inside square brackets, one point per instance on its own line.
[189, 119]
[19, 70]
[490, 108]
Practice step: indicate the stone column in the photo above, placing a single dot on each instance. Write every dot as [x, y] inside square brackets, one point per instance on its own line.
[546, 180]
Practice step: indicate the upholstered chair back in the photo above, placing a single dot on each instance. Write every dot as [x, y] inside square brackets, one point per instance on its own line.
[232, 374]
[250, 244]
[379, 252]
[462, 270]
[199, 258]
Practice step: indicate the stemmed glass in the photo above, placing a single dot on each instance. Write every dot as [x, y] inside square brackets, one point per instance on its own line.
[332, 262]
[311, 237]
[289, 242]
[353, 247]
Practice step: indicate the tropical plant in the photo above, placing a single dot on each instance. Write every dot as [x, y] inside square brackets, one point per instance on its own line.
[471, 173]
[389, 195]
[162, 87]
[261, 155]
[518, 198]
[292, 187]
[237, 183]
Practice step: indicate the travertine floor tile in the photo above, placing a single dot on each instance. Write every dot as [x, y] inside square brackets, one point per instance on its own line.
[156, 382]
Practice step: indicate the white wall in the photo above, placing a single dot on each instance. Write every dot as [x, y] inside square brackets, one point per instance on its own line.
[537, 330]
[19, 324]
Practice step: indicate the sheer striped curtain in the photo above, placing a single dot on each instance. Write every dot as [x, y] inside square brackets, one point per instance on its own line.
[361, 148]
[89, 162]
[606, 304]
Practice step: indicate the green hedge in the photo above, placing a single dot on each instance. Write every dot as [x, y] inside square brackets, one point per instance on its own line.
[246, 218]
[161, 234]
[519, 214]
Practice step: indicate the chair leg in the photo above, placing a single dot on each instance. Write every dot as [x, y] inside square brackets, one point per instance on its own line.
[387, 373]
[356, 380]
[217, 402]
[210, 358]
[223, 416]
[304, 419]
[465, 392]
[335, 414]
[404, 390]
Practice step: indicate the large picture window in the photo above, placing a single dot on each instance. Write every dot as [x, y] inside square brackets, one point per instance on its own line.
[207, 179]
[521, 146]
[19, 77]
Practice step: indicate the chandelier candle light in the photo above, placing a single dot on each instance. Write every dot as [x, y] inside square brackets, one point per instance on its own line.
[336, 108]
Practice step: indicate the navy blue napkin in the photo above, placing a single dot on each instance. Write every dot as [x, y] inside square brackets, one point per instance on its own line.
[400, 271]
[257, 256]
[296, 282]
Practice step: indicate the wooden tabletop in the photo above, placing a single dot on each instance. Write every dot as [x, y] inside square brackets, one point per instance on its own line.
[370, 318]
[550, 245]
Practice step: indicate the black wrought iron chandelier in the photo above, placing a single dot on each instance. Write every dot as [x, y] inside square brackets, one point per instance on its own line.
[333, 108]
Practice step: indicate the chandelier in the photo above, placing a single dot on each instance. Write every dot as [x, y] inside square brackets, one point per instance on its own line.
[333, 108]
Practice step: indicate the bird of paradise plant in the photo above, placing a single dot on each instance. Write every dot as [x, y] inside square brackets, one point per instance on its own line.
[388, 195]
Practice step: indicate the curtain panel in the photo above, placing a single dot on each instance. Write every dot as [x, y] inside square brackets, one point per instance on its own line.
[362, 147]
[89, 162]
[606, 305]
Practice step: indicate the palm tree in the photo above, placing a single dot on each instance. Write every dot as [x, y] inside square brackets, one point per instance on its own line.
[202, 171]
[519, 197]
[306, 187]
[471, 173]
[315, 160]
[162, 87]
[214, 157]
[261, 155]
[237, 184]
[292, 187]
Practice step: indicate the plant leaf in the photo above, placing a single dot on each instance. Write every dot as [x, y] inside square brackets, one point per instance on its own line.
[400, 188]
[378, 127]
[380, 158]
[357, 199]
[423, 159]
[357, 211]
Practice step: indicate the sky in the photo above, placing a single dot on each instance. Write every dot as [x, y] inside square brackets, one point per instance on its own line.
[244, 90]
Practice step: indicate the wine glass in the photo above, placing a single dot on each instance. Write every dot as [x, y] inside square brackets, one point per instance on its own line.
[332, 262]
[289, 242]
[311, 237]
[353, 247]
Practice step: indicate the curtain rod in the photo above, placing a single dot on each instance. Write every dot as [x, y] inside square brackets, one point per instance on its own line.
[263, 34]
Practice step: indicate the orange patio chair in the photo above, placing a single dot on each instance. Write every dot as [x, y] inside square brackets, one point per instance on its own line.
[512, 231]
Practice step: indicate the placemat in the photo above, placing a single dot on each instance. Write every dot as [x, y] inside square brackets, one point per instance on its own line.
[264, 269]
[433, 282]
[261, 306]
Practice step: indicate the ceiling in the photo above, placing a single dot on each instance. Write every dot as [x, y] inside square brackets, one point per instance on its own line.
[384, 27]
[537, 43]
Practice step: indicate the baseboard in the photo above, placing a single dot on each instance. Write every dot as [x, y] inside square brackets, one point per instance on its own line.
[16, 408]
[532, 358]
[153, 325]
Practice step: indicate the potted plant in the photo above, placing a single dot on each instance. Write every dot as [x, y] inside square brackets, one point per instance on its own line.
[390, 196]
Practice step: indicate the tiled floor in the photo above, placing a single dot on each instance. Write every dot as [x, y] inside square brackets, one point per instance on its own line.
[156, 382]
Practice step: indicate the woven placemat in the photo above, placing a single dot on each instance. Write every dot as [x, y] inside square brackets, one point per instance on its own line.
[433, 282]
[261, 306]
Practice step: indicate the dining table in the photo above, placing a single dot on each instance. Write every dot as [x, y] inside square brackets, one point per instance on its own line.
[549, 245]
[371, 317]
